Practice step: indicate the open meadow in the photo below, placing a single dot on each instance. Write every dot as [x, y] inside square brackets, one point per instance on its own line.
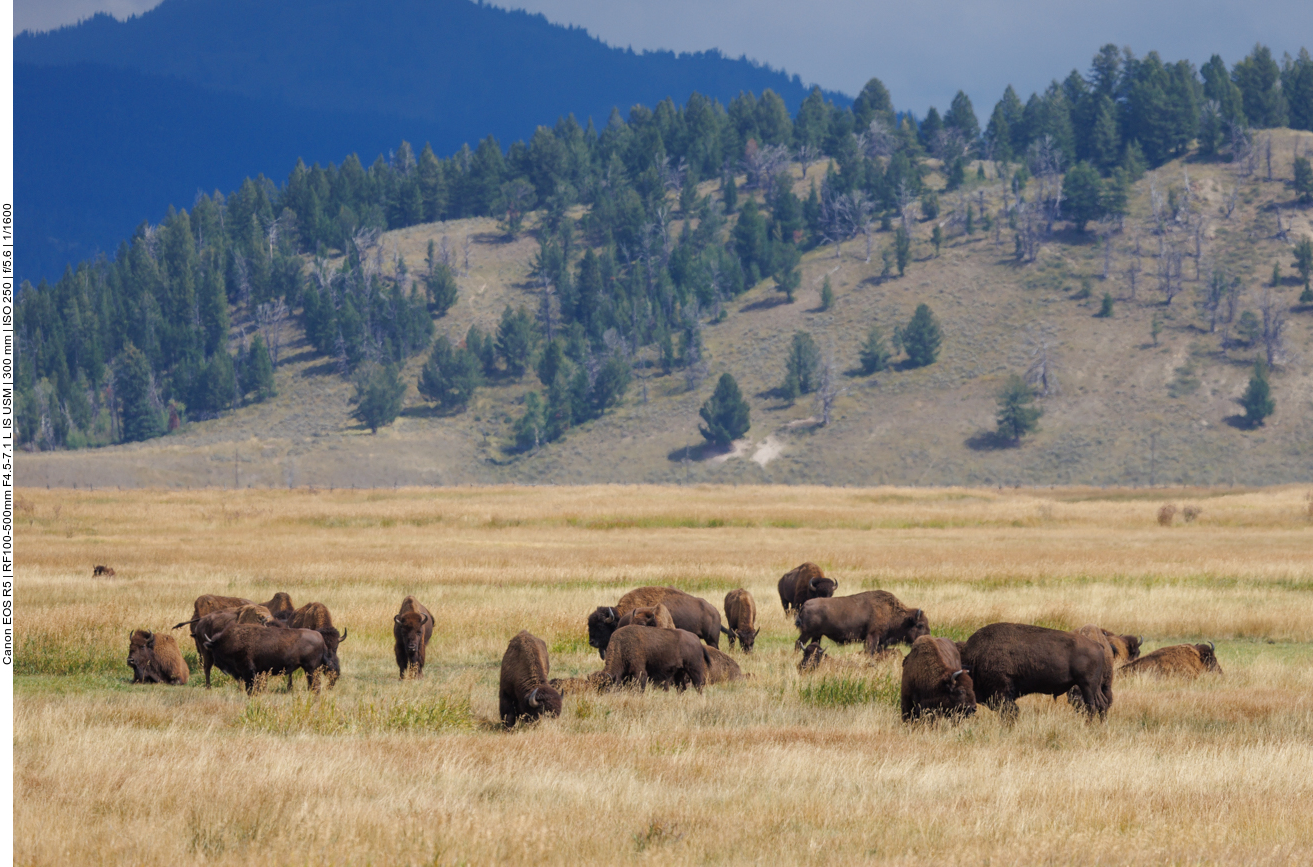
[779, 768]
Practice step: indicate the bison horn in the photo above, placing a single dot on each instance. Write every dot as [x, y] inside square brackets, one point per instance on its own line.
[423, 618]
[812, 584]
[397, 619]
[343, 638]
[1212, 647]
[532, 700]
[957, 674]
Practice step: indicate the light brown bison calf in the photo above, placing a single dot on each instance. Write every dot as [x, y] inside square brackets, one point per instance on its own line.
[525, 690]
[1178, 660]
[741, 615]
[156, 659]
[934, 681]
[411, 630]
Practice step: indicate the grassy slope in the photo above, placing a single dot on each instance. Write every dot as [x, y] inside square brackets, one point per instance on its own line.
[907, 427]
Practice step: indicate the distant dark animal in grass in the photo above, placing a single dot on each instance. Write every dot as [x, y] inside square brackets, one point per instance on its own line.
[1177, 660]
[741, 616]
[102, 572]
[802, 583]
[525, 691]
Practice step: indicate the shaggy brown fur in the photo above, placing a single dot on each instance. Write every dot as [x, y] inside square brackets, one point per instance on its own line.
[411, 630]
[741, 617]
[657, 616]
[315, 615]
[525, 691]
[1009, 660]
[1103, 638]
[721, 666]
[595, 682]
[874, 617]
[664, 656]
[688, 612]
[205, 605]
[280, 606]
[257, 615]
[246, 652]
[934, 680]
[1178, 660]
[156, 659]
[802, 583]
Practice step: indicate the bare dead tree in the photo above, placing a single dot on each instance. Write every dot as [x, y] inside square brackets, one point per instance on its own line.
[827, 390]
[1105, 240]
[1267, 153]
[1133, 267]
[761, 163]
[949, 144]
[546, 311]
[243, 274]
[1199, 229]
[467, 247]
[834, 219]
[1283, 231]
[904, 199]
[270, 318]
[877, 140]
[1043, 360]
[807, 154]
[1229, 201]
[1045, 159]
[1274, 312]
[861, 216]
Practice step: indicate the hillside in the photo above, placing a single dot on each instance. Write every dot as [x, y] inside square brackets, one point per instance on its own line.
[1127, 411]
[234, 89]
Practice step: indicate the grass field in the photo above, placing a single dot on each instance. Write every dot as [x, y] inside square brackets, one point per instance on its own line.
[814, 769]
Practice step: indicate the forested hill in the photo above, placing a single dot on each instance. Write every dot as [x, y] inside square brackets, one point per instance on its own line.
[206, 77]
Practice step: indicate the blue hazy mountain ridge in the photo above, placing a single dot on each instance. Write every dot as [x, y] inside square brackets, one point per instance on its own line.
[197, 94]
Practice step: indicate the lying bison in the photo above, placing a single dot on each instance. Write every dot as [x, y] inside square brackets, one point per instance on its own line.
[314, 615]
[688, 612]
[595, 682]
[721, 667]
[663, 656]
[935, 681]
[411, 630]
[1178, 660]
[741, 615]
[155, 659]
[245, 652]
[874, 617]
[525, 691]
[805, 582]
[1009, 660]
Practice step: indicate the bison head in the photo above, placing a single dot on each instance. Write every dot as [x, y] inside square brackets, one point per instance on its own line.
[913, 628]
[141, 659]
[1133, 643]
[820, 587]
[543, 700]
[746, 638]
[411, 628]
[1208, 656]
[959, 693]
[601, 623]
[812, 656]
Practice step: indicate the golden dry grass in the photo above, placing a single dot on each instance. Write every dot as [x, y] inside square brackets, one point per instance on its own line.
[811, 769]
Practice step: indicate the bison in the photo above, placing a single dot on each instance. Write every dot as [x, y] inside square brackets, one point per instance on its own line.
[721, 666]
[525, 690]
[280, 606]
[204, 606]
[664, 656]
[1120, 649]
[741, 615]
[875, 617]
[314, 615]
[805, 582]
[411, 630]
[255, 615]
[688, 612]
[1009, 660]
[102, 572]
[244, 652]
[812, 657]
[934, 680]
[156, 659]
[1178, 660]
[657, 616]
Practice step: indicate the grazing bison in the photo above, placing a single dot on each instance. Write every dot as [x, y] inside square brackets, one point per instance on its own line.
[664, 656]
[741, 615]
[1178, 660]
[525, 690]
[657, 616]
[690, 613]
[155, 659]
[280, 606]
[244, 652]
[812, 657]
[102, 571]
[875, 617]
[721, 666]
[805, 582]
[934, 680]
[411, 630]
[314, 615]
[204, 606]
[1009, 660]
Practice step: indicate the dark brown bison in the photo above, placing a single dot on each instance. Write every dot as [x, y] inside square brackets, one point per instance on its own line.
[245, 652]
[874, 617]
[657, 616]
[721, 667]
[525, 690]
[204, 606]
[411, 630]
[280, 606]
[805, 582]
[156, 659]
[314, 615]
[812, 657]
[663, 656]
[1009, 660]
[102, 572]
[935, 682]
[690, 613]
[1178, 660]
[741, 615]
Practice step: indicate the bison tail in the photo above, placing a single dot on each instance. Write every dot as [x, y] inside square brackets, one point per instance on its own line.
[185, 623]
[724, 630]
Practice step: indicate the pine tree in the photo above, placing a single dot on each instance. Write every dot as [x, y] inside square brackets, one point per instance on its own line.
[788, 277]
[259, 371]
[902, 249]
[451, 375]
[515, 337]
[440, 284]
[937, 238]
[1017, 414]
[1105, 308]
[379, 395]
[1304, 265]
[132, 387]
[1083, 193]
[874, 354]
[1257, 399]
[530, 430]
[730, 191]
[921, 338]
[802, 368]
[726, 413]
[1304, 180]
[1259, 79]
[827, 294]
[962, 117]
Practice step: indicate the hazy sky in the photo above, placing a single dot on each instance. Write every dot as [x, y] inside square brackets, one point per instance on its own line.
[924, 52]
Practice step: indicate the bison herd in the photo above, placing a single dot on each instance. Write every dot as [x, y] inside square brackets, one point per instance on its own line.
[667, 637]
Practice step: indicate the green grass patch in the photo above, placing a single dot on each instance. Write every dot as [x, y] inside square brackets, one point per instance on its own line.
[846, 690]
[577, 643]
[324, 715]
[69, 658]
